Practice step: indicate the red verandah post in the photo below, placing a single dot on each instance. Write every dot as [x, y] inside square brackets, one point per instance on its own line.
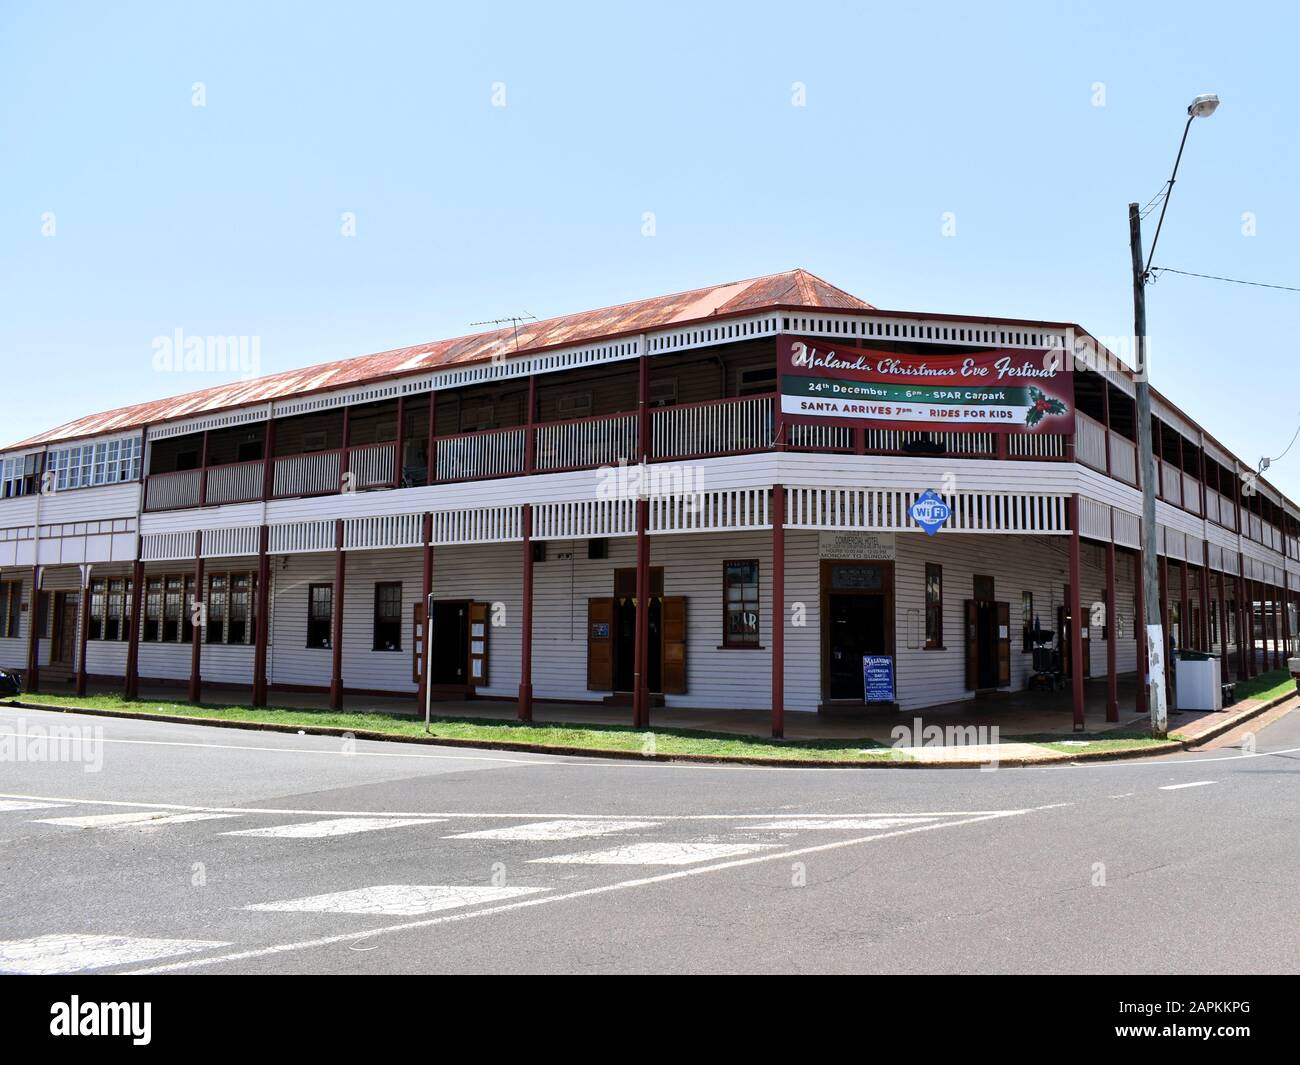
[262, 624]
[778, 611]
[1076, 618]
[526, 622]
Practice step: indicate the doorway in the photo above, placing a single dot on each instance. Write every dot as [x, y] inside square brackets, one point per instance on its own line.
[857, 603]
[988, 645]
[449, 660]
[1063, 620]
[611, 638]
[63, 638]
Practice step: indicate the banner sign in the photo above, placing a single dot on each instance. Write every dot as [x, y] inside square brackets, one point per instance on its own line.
[878, 678]
[996, 391]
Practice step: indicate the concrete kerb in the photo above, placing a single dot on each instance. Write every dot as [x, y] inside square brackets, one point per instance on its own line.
[1049, 758]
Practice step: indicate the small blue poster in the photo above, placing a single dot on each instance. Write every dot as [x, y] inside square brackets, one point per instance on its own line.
[878, 678]
[930, 511]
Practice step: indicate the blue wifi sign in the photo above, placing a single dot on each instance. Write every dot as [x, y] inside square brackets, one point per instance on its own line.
[930, 512]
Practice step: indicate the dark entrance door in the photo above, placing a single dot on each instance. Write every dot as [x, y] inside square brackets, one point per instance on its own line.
[988, 645]
[1063, 636]
[449, 660]
[625, 643]
[856, 627]
[63, 639]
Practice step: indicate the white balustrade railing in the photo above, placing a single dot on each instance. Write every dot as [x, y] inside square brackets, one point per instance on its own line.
[490, 453]
[171, 491]
[1171, 484]
[1123, 459]
[237, 483]
[819, 437]
[599, 441]
[304, 475]
[371, 465]
[923, 441]
[1036, 445]
[1090, 442]
[712, 428]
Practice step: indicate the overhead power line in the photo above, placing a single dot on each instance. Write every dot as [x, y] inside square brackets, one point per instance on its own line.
[1231, 280]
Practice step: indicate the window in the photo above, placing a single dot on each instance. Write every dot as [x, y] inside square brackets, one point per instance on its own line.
[108, 462]
[755, 380]
[153, 610]
[740, 604]
[933, 606]
[17, 476]
[320, 614]
[1027, 620]
[388, 616]
[229, 613]
[216, 627]
[11, 599]
[173, 607]
[240, 627]
[110, 609]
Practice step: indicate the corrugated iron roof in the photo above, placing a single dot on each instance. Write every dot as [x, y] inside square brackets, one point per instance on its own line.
[793, 288]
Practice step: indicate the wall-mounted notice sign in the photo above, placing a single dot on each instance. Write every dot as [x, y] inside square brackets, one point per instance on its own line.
[992, 391]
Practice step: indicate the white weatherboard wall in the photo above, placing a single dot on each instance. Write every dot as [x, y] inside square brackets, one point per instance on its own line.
[1035, 564]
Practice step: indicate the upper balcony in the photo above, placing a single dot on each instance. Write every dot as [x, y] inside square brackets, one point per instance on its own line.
[700, 405]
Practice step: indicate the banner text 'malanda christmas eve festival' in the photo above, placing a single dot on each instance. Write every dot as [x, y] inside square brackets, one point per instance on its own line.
[998, 390]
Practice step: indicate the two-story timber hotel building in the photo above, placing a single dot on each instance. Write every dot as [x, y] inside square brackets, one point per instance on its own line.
[670, 501]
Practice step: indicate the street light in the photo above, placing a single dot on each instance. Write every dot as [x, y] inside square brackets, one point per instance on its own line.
[1201, 107]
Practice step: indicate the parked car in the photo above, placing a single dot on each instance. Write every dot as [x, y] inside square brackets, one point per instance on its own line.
[11, 683]
[1293, 664]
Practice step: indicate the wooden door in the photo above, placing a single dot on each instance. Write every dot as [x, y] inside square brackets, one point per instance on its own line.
[63, 637]
[972, 645]
[673, 672]
[478, 644]
[1004, 644]
[600, 645]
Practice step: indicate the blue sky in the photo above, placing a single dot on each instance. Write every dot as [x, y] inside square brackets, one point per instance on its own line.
[225, 219]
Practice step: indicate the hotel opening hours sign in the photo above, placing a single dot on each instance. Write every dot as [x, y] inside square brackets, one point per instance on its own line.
[992, 391]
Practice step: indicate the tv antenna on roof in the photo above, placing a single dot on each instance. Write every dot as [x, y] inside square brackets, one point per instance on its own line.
[513, 320]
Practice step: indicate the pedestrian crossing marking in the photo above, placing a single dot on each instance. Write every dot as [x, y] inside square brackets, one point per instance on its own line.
[395, 900]
[142, 818]
[53, 954]
[340, 826]
[556, 830]
[656, 854]
[829, 824]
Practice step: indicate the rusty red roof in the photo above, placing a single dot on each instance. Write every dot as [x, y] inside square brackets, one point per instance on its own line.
[793, 288]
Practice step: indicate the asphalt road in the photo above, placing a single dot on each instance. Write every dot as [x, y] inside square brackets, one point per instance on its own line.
[170, 848]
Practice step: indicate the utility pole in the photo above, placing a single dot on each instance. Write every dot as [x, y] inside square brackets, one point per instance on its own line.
[1201, 107]
[1155, 640]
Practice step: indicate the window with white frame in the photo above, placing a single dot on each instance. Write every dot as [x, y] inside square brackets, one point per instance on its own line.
[84, 465]
[17, 476]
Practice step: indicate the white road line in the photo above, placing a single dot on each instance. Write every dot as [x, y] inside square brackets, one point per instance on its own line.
[1157, 762]
[543, 900]
[7, 805]
[1192, 784]
[556, 830]
[395, 900]
[655, 854]
[53, 954]
[474, 754]
[487, 815]
[342, 826]
[116, 820]
[836, 824]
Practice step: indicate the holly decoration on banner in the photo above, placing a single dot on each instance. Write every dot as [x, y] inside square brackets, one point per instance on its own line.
[1040, 403]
